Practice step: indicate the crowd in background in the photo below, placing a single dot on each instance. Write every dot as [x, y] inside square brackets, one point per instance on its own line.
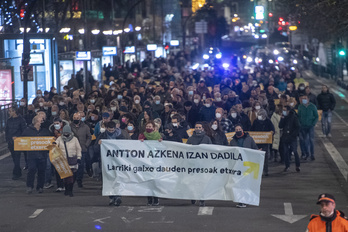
[161, 100]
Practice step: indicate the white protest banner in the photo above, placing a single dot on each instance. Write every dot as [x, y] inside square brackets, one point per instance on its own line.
[181, 171]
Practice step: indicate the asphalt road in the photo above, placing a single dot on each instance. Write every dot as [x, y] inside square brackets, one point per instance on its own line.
[287, 199]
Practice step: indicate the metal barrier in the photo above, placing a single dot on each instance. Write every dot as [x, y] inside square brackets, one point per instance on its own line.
[4, 113]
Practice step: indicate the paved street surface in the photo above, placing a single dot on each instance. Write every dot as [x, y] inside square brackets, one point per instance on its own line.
[287, 199]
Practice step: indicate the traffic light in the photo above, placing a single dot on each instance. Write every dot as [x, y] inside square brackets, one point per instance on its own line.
[270, 15]
[166, 47]
[342, 52]
[21, 13]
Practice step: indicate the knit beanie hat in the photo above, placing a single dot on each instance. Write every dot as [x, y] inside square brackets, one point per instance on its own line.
[67, 129]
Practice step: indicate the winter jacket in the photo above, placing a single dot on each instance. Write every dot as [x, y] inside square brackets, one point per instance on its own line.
[319, 224]
[73, 147]
[207, 113]
[14, 128]
[245, 141]
[275, 119]
[290, 126]
[326, 101]
[181, 132]
[307, 115]
[83, 134]
[220, 138]
[197, 139]
[31, 131]
[262, 125]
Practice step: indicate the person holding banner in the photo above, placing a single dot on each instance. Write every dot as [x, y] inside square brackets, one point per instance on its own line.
[199, 137]
[71, 149]
[151, 134]
[15, 125]
[37, 160]
[242, 139]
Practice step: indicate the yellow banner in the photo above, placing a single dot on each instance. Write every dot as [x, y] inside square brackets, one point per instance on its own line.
[32, 143]
[59, 162]
[320, 113]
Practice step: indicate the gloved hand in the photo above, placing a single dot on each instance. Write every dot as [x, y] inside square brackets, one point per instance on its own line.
[79, 161]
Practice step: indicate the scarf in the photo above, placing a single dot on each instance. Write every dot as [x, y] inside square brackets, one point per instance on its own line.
[113, 135]
[155, 135]
[67, 139]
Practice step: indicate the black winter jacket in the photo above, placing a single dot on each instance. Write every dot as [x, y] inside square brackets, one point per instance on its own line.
[31, 131]
[14, 128]
[291, 127]
[326, 101]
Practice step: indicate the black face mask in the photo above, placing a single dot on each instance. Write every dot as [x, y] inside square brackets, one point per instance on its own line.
[239, 133]
[76, 121]
[66, 134]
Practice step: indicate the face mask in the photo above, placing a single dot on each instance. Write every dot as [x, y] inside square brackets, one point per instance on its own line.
[57, 126]
[102, 130]
[158, 102]
[123, 120]
[83, 119]
[218, 99]
[302, 88]
[46, 108]
[82, 96]
[61, 103]
[54, 113]
[214, 127]
[113, 108]
[289, 89]
[22, 103]
[305, 101]
[285, 113]
[66, 134]
[239, 133]
[198, 131]
[259, 117]
[92, 101]
[218, 115]
[148, 130]
[292, 104]
[39, 94]
[257, 107]
[130, 128]
[119, 96]
[207, 105]
[175, 125]
[41, 104]
[196, 101]
[93, 118]
[171, 115]
[36, 110]
[113, 88]
[136, 101]
[234, 115]
[76, 121]
[54, 91]
[190, 92]
[204, 97]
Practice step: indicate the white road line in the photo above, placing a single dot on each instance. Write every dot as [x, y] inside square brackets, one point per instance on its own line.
[36, 213]
[337, 158]
[205, 210]
[5, 156]
[345, 123]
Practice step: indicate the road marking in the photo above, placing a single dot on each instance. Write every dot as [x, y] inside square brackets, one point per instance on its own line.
[345, 123]
[337, 158]
[130, 209]
[162, 221]
[205, 210]
[36, 213]
[129, 221]
[100, 220]
[145, 209]
[5, 156]
[289, 215]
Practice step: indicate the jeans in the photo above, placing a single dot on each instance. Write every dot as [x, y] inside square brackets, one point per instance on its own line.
[288, 149]
[307, 141]
[326, 119]
[16, 157]
[39, 166]
[80, 170]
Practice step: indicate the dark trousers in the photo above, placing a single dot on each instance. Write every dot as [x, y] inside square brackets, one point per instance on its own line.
[80, 170]
[16, 157]
[265, 148]
[59, 181]
[36, 165]
[288, 149]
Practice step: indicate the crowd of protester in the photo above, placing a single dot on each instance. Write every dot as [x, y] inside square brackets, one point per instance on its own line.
[161, 101]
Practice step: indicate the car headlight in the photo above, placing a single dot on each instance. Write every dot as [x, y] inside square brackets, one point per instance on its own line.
[249, 59]
[294, 61]
[270, 61]
[218, 56]
[276, 52]
[280, 58]
[194, 67]
[225, 65]
[205, 56]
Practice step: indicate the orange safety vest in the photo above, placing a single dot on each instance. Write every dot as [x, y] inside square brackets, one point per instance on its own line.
[339, 224]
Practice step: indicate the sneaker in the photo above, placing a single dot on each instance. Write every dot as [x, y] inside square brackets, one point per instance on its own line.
[118, 202]
[112, 201]
[201, 203]
[193, 202]
[298, 169]
[29, 190]
[312, 158]
[89, 173]
[329, 135]
[241, 205]
[287, 169]
[40, 190]
[48, 186]
[25, 168]
[58, 190]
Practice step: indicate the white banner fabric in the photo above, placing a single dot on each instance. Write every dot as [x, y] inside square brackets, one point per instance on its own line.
[181, 171]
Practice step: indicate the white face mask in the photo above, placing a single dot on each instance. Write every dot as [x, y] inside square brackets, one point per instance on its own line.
[175, 125]
[54, 113]
[136, 101]
[113, 108]
[291, 104]
[92, 101]
[259, 117]
[196, 101]
[158, 102]
[207, 105]
[102, 130]
[218, 99]
[204, 97]
[257, 107]
[46, 108]
[234, 115]
[54, 91]
[82, 96]
[61, 103]
[41, 104]
[57, 126]
[218, 115]
[214, 127]
[22, 103]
